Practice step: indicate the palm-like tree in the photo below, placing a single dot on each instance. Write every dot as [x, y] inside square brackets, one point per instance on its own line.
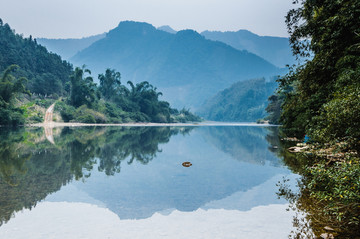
[110, 84]
[10, 86]
[83, 89]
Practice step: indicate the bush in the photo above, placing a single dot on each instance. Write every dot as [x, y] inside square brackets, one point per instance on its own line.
[113, 112]
[160, 118]
[67, 112]
[83, 114]
[44, 103]
[340, 117]
[87, 118]
[138, 117]
[36, 119]
[11, 116]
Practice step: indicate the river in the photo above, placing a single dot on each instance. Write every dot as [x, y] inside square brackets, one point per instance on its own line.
[131, 182]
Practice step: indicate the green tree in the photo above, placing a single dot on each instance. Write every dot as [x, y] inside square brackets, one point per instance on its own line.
[331, 29]
[10, 87]
[274, 109]
[110, 84]
[322, 99]
[146, 97]
[82, 89]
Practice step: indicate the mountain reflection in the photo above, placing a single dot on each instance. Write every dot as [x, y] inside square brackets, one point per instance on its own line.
[245, 144]
[31, 167]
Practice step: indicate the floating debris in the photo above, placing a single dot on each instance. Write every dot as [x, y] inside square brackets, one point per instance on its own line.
[186, 164]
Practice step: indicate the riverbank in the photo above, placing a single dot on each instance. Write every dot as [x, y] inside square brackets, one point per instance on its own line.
[330, 187]
[205, 123]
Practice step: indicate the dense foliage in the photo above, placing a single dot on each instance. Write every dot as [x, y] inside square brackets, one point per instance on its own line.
[322, 99]
[10, 87]
[82, 90]
[329, 192]
[327, 197]
[318, 93]
[113, 102]
[243, 101]
[46, 72]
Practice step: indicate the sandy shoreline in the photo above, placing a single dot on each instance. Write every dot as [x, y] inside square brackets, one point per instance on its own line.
[206, 123]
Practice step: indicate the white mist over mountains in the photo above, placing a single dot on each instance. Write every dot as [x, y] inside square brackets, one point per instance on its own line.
[81, 18]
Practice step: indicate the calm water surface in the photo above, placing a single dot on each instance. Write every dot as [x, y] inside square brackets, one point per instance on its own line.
[129, 182]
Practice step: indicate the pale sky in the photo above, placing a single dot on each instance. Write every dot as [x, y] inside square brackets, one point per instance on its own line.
[80, 18]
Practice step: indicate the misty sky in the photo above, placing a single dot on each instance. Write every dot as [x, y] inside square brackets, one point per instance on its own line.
[79, 18]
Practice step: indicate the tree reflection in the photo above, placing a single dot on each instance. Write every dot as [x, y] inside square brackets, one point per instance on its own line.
[313, 218]
[137, 143]
[11, 161]
[31, 167]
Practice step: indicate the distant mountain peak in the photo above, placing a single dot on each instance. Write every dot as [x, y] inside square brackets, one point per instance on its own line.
[189, 33]
[178, 64]
[246, 32]
[135, 24]
[133, 27]
[167, 28]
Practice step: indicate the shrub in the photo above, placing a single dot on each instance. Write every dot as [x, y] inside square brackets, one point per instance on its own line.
[340, 117]
[67, 112]
[82, 114]
[86, 118]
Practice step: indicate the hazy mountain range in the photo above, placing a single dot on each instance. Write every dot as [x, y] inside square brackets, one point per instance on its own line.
[273, 49]
[67, 48]
[185, 65]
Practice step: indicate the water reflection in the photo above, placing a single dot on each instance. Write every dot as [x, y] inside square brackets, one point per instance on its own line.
[29, 171]
[137, 172]
[164, 184]
[245, 144]
[312, 218]
[31, 167]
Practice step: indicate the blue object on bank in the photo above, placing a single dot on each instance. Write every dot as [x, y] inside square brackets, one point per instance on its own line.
[306, 139]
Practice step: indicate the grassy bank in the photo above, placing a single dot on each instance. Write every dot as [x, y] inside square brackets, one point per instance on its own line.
[329, 189]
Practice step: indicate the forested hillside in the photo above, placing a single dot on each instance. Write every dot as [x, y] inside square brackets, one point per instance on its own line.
[276, 50]
[31, 79]
[47, 73]
[244, 101]
[185, 66]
